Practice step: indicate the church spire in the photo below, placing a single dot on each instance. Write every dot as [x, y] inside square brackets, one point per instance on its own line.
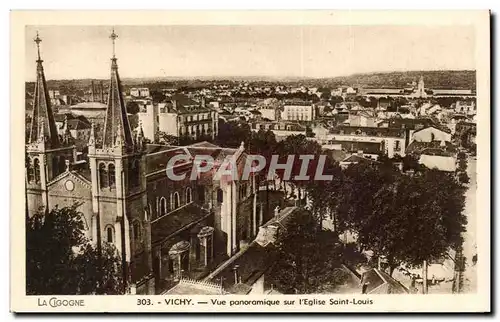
[116, 124]
[43, 125]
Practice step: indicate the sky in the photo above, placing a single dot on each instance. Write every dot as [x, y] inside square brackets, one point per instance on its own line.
[75, 52]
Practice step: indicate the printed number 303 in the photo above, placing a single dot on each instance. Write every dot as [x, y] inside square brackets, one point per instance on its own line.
[144, 302]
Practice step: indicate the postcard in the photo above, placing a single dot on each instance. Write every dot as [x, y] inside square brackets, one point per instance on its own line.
[250, 161]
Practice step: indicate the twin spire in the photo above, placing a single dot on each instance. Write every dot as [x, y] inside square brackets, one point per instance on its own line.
[43, 126]
[116, 130]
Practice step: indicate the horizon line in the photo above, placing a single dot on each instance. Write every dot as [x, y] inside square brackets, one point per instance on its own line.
[281, 77]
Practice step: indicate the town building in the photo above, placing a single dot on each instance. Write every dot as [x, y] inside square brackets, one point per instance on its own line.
[298, 111]
[371, 140]
[140, 92]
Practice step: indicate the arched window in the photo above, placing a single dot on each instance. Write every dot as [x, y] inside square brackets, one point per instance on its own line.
[36, 170]
[220, 195]
[134, 173]
[137, 230]
[62, 164]
[111, 174]
[103, 175]
[163, 206]
[201, 194]
[55, 166]
[189, 196]
[137, 172]
[29, 171]
[110, 234]
[177, 200]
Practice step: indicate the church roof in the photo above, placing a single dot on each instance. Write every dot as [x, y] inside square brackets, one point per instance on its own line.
[116, 124]
[182, 218]
[42, 118]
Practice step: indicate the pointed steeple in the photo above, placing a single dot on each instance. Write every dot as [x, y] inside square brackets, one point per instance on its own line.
[116, 124]
[43, 125]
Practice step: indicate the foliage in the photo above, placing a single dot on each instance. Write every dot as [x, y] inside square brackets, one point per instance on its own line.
[157, 96]
[308, 258]
[132, 107]
[164, 138]
[231, 134]
[59, 259]
[405, 218]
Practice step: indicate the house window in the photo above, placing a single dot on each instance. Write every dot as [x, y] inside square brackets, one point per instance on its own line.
[397, 146]
[177, 201]
[109, 234]
[220, 196]
[111, 174]
[201, 194]
[189, 196]
[163, 206]
[103, 175]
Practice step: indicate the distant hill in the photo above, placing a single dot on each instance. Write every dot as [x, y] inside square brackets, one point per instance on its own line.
[456, 79]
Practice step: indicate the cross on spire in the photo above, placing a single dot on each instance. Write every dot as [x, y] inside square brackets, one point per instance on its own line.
[38, 40]
[113, 37]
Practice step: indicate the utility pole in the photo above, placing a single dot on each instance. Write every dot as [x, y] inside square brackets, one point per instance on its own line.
[424, 273]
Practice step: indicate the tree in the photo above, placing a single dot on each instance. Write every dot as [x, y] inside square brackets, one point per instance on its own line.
[308, 258]
[60, 260]
[157, 96]
[231, 134]
[133, 107]
[164, 138]
[309, 132]
[406, 219]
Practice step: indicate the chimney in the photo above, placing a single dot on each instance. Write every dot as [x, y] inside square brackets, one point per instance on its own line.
[92, 90]
[360, 153]
[203, 102]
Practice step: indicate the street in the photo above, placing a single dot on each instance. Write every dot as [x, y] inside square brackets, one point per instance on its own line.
[469, 246]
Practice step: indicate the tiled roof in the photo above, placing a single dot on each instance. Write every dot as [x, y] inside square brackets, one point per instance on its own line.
[416, 147]
[367, 131]
[375, 279]
[252, 263]
[158, 160]
[359, 159]
[178, 220]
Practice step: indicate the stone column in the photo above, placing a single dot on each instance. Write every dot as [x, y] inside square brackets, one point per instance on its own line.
[177, 253]
[206, 240]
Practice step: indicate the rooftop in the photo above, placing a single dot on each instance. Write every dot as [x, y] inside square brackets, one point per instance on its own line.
[178, 220]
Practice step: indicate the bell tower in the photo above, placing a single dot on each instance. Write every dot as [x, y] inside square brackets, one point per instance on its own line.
[46, 150]
[119, 200]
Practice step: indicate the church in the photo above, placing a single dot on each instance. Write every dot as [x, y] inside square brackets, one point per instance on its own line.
[163, 230]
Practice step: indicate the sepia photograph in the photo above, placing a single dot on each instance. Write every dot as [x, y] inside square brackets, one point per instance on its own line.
[254, 160]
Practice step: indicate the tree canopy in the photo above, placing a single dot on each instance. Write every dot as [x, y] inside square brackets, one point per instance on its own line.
[405, 218]
[61, 261]
[308, 259]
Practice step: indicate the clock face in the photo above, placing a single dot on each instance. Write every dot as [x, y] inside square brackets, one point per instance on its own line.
[69, 185]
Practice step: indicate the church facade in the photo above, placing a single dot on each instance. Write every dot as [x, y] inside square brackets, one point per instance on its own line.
[163, 230]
